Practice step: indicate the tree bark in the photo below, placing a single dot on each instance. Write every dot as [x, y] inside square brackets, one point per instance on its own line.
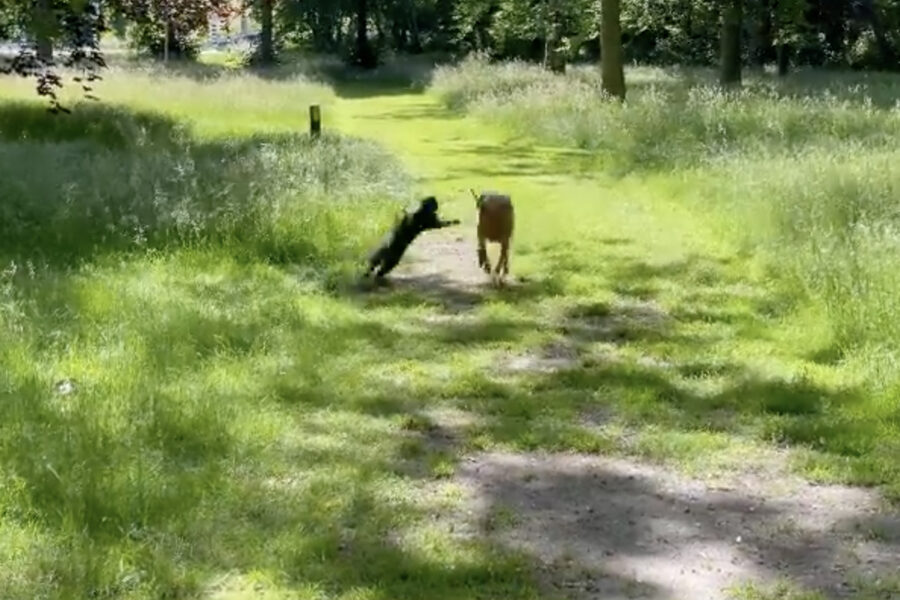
[763, 35]
[732, 17]
[554, 59]
[612, 68]
[44, 25]
[784, 59]
[365, 56]
[267, 32]
[415, 37]
[887, 54]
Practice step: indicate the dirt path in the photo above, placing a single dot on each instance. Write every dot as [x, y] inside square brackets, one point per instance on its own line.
[446, 258]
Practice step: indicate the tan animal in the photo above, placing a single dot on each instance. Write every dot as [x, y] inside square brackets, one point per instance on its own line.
[495, 224]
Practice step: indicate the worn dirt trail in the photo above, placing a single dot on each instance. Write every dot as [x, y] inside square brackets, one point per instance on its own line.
[608, 527]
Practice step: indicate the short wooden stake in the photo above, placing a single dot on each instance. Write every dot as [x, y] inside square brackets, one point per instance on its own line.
[315, 121]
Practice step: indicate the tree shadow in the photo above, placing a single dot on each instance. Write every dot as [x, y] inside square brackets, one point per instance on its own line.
[517, 159]
[399, 75]
[603, 518]
[452, 297]
[169, 465]
[318, 501]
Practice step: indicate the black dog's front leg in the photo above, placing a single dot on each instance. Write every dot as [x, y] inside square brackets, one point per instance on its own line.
[440, 224]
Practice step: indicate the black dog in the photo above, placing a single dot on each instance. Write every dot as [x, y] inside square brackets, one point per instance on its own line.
[391, 250]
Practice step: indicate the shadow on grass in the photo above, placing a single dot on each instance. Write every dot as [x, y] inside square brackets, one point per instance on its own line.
[435, 290]
[591, 520]
[516, 159]
[397, 75]
[275, 439]
[171, 458]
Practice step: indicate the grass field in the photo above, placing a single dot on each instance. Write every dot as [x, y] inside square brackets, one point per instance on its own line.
[196, 401]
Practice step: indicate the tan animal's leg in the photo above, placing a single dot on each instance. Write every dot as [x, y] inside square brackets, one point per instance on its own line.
[483, 260]
[504, 257]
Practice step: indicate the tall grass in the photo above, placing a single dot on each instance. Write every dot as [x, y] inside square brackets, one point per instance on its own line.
[675, 118]
[801, 171]
[109, 179]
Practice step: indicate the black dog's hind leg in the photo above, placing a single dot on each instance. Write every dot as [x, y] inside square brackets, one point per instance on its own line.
[374, 260]
[388, 262]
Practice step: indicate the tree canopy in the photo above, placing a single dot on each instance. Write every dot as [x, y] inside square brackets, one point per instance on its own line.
[849, 33]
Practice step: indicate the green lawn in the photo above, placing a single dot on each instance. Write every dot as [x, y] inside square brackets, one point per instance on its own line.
[246, 423]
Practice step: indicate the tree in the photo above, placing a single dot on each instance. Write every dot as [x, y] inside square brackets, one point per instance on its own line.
[788, 21]
[76, 32]
[554, 53]
[613, 71]
[45, 29]
[267, 32]
[732, 17]
[365, 54]
[168, 27]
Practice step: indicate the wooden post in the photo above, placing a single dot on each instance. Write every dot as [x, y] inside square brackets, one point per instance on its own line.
[315, 121]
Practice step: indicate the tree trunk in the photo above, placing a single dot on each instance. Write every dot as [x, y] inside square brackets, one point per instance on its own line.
[44, 26]
[784, 59]
[379, 27]
[365, 56]
[887, 54]
[267, 32]
[732, 18]
[613, 71]
[415, 37]
[762, 37]
[554, 59]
